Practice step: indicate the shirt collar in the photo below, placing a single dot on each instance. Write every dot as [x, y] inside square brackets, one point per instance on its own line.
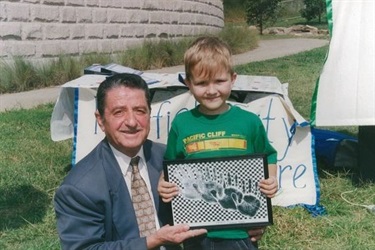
[124, 160]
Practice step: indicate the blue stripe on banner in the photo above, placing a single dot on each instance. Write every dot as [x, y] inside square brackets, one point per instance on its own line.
[75, 125]
[317, 209]
[293, 129]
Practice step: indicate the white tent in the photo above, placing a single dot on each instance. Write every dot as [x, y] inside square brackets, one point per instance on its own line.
[345, 93]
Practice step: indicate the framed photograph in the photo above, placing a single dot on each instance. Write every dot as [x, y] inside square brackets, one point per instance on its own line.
[220, 192]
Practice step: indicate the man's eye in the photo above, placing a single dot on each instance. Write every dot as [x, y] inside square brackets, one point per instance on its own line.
[141, 111]
[118, 112]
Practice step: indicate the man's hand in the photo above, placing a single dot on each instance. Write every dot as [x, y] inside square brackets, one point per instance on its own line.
[256, 233]
[167, 190]
[172, 235]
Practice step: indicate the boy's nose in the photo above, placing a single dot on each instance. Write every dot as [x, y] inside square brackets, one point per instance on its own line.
[211, 88]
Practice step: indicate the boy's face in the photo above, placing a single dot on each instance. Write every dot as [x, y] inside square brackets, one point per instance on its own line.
[212, 91]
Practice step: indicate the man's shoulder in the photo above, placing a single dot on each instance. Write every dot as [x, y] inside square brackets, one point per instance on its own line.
[154, 143]
[155, 147]
[88, 166]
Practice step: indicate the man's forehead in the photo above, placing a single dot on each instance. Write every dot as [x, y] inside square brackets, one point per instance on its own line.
[127, 96]
[125, 90]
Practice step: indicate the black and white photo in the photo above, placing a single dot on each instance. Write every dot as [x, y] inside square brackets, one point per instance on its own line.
[220, 192]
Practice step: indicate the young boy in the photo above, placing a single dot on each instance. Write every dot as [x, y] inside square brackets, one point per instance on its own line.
[210, 78]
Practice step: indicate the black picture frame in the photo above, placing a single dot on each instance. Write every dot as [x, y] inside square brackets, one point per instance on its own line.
[220, 192]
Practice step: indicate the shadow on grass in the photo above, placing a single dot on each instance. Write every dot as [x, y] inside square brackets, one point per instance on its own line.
[350, 173]
[21, 205]
[67, 168]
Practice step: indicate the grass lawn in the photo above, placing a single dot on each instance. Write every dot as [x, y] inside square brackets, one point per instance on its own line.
[32, 166]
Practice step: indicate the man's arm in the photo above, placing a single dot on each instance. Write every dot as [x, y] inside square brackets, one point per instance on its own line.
[80, 223]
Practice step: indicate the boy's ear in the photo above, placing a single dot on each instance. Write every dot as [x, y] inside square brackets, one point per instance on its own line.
[234, 77]
[187, 83]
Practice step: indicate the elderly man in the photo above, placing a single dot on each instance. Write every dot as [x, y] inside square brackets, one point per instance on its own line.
[109, 199]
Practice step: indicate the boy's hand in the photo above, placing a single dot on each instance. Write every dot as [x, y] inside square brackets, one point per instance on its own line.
[256, 233]
[269, 186]
[167, 190]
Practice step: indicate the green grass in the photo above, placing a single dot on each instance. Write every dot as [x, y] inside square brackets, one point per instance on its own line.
[32, 167]
[239, 38]
[345, 227]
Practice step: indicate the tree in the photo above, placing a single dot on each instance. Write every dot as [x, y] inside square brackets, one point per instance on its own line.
[258, 12]
[313, 9]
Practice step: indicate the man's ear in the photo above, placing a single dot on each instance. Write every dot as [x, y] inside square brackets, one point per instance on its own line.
[99, 120]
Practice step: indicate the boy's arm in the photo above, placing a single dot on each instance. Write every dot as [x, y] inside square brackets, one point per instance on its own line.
[167, 190]
[269, 186]
[171, 150]
[272, 171]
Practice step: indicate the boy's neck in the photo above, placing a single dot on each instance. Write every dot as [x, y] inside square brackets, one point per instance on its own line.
[219, 111]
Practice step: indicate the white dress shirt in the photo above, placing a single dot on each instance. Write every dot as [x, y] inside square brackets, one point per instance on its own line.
[124, 162]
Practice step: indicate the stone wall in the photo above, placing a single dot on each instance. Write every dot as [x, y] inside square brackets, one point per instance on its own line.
[48, 28]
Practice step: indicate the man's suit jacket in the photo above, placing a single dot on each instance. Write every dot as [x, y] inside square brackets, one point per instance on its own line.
[93, 205]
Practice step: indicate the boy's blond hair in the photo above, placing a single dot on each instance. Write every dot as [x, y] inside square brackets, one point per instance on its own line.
[206, 55]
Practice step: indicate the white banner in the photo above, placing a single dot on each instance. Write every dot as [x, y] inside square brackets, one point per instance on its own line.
[288, 132]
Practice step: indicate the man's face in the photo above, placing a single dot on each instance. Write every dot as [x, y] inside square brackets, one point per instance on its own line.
[126, 119]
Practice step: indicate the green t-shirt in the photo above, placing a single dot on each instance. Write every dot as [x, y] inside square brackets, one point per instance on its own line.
[236, 132]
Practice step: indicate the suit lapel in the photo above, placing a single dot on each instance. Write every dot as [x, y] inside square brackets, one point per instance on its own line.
[153, 173]
[124, 219]
[123, 214]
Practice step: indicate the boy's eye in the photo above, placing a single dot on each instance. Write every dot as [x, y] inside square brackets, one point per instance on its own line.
[218, 81]
[200, 83]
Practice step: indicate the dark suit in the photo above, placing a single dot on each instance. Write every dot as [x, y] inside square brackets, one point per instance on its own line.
[93, 205]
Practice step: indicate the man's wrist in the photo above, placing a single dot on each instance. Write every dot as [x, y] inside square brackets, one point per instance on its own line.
[153, 241]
